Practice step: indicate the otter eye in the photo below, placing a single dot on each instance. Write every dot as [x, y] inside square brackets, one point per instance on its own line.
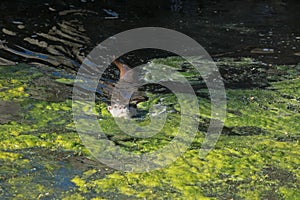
[115, 106]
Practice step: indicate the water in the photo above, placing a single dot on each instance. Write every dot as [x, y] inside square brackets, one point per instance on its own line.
[64, 32]
[61, 33]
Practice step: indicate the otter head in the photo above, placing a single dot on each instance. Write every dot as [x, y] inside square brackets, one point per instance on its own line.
[121, 111]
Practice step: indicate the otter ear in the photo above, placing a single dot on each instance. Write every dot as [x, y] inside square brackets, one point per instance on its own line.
[109, 107]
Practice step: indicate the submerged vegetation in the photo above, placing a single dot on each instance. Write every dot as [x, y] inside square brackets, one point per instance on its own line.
[256, 157]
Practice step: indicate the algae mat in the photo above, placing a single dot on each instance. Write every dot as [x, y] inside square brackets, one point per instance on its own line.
[256, 157]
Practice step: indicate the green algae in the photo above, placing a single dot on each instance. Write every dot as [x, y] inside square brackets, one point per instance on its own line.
[270, 110]
[67, 81]
[257, 157]
[37, 126]
[226, 173]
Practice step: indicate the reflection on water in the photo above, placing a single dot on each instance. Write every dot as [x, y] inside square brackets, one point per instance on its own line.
[61, 33]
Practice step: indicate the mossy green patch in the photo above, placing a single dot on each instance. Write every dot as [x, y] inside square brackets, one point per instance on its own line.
[30, 127]
[256, 157]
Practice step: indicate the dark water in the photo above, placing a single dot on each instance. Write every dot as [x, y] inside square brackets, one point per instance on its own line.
[61, 33]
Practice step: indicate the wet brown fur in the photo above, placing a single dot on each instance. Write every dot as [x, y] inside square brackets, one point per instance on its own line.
[122, 67]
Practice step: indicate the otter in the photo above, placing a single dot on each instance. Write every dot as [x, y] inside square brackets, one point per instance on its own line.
[125, 87]
[122, 111]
